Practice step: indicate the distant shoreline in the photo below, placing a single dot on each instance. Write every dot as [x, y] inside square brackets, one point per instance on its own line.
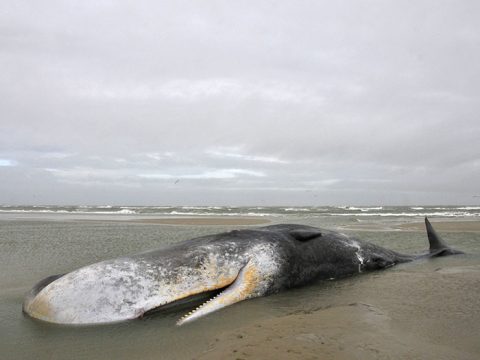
[445, 225]
[203, 221]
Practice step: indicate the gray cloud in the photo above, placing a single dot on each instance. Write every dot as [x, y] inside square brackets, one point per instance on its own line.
[305, 102]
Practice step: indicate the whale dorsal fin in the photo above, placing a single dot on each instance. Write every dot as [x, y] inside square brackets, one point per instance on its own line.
[436, 242]
[438, 247]
[305, 235]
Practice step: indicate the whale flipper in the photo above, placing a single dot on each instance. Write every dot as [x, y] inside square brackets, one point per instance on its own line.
[438, 247]
[244, 287]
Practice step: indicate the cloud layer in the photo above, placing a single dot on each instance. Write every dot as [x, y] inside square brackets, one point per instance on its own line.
[258, 102]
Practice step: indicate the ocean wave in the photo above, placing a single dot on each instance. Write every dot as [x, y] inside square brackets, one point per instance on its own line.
[62, 211]
[404, 214]
[180, 213]
[34, 211]
[201, 207]
[363, 209]
[262, 211]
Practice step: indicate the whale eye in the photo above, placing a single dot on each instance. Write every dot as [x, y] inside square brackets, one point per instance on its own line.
[305, 235]
[380, 262]
[377, 262]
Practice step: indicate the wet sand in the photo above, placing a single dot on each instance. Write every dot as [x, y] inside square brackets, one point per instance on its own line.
[420, 310]
[445, 226]
[320, 334]
[441, 225]
[221, 221]
[376, 330]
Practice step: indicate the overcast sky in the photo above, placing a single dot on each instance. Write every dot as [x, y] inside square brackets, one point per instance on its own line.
[240, 103]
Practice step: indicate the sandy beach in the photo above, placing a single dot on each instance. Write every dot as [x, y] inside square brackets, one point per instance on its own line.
[426, 309]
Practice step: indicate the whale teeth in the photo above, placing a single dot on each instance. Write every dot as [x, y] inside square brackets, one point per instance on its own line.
[192, 312]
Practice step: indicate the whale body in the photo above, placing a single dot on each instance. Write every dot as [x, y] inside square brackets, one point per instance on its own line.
[235, 266]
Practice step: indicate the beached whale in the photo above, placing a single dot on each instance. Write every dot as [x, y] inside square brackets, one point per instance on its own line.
[232, 266]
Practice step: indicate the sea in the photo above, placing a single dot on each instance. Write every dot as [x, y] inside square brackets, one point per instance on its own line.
[424, 307]
[264, 211]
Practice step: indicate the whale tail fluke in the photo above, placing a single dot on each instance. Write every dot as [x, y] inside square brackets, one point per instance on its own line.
[438, 247]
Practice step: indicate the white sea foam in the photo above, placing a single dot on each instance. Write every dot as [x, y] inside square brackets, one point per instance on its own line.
[126, 211]
[183, 213]
[40, 211]
[364, 209]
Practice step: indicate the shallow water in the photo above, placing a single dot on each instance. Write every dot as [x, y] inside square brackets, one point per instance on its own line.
[438, 297]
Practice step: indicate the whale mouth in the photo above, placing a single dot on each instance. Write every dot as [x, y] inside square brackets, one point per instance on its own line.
[241, 288]
[183, 305]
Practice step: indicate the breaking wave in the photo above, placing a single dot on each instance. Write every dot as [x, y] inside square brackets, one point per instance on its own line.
[263, 211]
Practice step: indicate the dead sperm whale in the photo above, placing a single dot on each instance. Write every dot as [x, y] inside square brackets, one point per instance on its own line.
[238, 265]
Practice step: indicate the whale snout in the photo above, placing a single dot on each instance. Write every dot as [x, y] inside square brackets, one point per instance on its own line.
[36, 303]
[39, 307]
[104, 292]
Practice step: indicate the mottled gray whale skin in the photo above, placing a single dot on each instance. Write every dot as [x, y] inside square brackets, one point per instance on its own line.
[239, 265]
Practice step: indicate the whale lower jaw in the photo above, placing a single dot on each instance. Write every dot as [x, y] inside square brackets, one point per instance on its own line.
[244, 287]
